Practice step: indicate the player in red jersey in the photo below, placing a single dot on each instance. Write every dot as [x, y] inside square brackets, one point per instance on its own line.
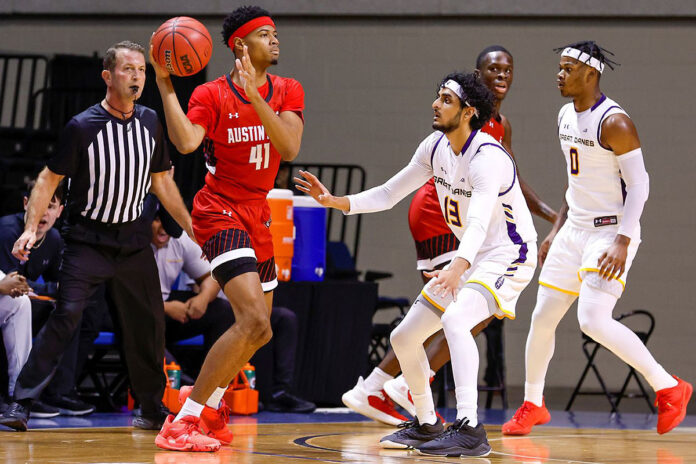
[248, 121]
[435, 247]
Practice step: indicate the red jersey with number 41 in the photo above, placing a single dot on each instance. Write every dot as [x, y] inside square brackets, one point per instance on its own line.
[241, 160]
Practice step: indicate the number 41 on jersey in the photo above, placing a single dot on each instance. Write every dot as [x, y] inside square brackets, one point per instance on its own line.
[260, 154]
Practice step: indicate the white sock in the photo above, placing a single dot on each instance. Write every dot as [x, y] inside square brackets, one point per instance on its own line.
[190, 408]
[534, 393]
[214, 400]
[375, 381]
[594, 314]
[425, 408]
[467, 406]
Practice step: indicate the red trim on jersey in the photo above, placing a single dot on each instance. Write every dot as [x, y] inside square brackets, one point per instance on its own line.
[244, 30]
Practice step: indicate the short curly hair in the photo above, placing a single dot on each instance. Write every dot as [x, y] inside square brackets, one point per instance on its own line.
[476, 95]
[238, 18]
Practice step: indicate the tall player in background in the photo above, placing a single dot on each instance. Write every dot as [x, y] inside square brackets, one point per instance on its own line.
[247, 120]
[590, 254]
[436, 245]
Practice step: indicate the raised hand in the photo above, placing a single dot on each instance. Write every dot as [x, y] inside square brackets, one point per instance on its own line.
[247, 73]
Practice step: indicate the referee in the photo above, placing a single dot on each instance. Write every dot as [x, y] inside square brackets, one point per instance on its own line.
[113, 153]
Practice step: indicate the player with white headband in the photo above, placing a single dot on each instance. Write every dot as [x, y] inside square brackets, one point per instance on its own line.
[590, 254]
[481, 201]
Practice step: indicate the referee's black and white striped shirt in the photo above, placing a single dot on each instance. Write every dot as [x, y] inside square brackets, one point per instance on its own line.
[108, 161]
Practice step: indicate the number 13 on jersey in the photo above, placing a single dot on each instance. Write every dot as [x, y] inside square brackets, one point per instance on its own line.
[574, 161]
[260, 154]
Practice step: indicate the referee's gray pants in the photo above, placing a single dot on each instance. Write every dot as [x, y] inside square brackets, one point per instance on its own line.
[132, 283]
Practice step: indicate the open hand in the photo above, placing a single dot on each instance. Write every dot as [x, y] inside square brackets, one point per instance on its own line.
[312, 186]
[612, 263]
[247, 73]
[446, 282]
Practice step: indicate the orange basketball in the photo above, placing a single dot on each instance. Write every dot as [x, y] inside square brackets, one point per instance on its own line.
[182, 45]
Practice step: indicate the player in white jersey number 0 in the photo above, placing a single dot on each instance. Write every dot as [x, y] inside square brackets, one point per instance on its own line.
[590, 254]
[482, 203]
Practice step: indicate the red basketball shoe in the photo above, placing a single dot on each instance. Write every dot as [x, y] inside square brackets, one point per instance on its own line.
[213, 421]
[671, 405]
[375, 405]
[526, 417]
[185, 435]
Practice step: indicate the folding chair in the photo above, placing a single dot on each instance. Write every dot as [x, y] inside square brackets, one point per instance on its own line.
[590, 348]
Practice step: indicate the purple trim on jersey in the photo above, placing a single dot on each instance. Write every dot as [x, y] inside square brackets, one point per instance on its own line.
[432, 154]
[514, 165]
[468, 141]
[599, 126]
[599, 102]
[516, 239]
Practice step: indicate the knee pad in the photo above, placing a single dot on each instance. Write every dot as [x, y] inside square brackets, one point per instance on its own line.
[612, 287]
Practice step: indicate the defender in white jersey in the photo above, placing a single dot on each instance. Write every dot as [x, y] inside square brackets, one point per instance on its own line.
[590, 253]
[482, 203]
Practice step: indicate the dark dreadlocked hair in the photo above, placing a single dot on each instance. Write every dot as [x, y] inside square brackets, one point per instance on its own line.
[476, 94]
[238, 18]
[592, 49]
[490, 49]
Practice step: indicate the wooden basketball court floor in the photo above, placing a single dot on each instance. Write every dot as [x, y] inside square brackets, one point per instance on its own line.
[580, 438]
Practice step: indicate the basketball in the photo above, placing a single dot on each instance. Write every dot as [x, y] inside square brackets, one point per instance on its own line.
[182, 45]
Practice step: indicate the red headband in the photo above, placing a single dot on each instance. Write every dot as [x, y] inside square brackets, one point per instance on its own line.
[249, 26]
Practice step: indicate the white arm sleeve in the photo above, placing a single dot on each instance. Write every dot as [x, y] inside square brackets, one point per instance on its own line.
[491, 172]
[385, 196]
[637, 189]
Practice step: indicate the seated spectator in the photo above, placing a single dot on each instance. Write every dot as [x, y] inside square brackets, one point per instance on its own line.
[207, 312]
[44, 262]
[15, 322]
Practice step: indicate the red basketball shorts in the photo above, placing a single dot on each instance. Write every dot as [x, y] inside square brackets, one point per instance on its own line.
[228, 231]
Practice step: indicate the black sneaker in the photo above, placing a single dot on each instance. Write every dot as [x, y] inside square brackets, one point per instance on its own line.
[68, 406]
[285, 402]
[151, 421]
[15, 417]
[458, 440]
[41, 410]
[412, 434]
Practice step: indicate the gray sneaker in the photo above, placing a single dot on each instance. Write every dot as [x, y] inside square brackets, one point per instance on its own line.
[458, 440]
[412, 434]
